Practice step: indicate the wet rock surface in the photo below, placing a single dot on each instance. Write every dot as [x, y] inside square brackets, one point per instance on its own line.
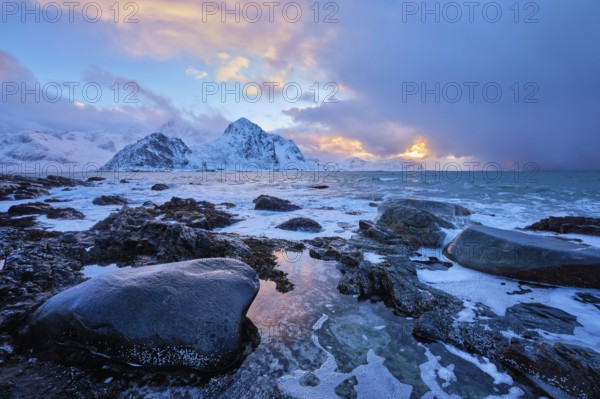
[416, 223]
[439, 209]
[568, 225]
[65, 214]
[7, 220]
[197, 214]
[122, 315]
[13, 187]
[269, 203]
[528, 354]
[106, 200]
[571, 369]
[44, 208]
[134, 236]
[301, 224]
[159, 187]
[415, 227]
[525, 256]
[396, 283]
[95, 179]
[34, 208]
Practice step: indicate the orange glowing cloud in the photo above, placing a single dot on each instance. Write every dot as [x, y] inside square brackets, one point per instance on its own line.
[418, 150]
[339, 145]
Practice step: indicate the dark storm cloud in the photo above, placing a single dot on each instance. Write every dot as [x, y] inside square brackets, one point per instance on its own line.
[381, 53]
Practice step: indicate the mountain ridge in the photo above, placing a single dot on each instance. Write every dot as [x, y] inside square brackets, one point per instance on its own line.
[243, 144]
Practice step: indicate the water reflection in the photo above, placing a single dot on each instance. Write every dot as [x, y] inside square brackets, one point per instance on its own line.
[313, 339]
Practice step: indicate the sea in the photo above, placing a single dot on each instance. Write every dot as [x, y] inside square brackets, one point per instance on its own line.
[317, 343]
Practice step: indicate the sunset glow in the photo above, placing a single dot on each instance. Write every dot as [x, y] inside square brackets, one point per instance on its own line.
[418, 150]
[343, 146]
[203, 65]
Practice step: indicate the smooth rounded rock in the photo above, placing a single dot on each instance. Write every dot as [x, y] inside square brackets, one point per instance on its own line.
[524, 256]
[178, 315]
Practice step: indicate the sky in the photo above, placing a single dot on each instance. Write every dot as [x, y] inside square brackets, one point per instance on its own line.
[507, 82]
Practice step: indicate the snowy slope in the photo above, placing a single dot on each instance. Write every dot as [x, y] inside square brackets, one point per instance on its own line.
[245, 144]
[44, 147]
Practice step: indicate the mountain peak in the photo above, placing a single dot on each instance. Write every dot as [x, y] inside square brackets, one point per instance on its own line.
[244, 126]
[158, 136]
[243, 143]
[244, 121]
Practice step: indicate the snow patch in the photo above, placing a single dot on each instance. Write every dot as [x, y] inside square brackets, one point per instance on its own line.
[373, 257]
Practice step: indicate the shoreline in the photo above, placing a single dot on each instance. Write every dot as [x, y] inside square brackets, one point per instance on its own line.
[408, 282]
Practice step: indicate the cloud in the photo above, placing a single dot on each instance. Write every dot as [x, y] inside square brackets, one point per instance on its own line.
[12, 70]
[374, 52]
[196, 74]
[353, 121]
[147, 115]
[554, 61]
[230, 68]
[169, 29]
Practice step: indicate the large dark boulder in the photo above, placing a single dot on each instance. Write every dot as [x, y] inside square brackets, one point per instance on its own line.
[301, 224]
[568, 225]
[268, 203]
[525, 256]
[414, 222]
[179, 315]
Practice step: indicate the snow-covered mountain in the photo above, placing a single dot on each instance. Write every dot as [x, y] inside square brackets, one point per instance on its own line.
[154, 152]
[243, 144]
[40, 149]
